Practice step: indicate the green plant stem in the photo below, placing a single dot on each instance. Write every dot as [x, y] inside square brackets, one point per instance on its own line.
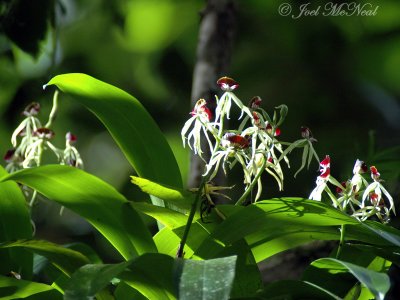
[341, 243]
[252, 184]
[53, 112]
[189, 222]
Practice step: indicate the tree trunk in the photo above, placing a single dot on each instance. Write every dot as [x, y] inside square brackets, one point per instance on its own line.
[214, 51]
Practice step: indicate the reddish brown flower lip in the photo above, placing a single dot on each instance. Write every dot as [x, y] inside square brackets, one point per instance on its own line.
[340, 190]
[237, 141]
[374, 173]
[8, 157]
[70, 137]
[44, 133]
[201, 107]
[277, 132]
[326, 162]
[227, 84]
[32, 109]
[255, 102]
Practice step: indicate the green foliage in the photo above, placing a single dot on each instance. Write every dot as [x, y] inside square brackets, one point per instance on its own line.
[99, 203]
[220, 252]
[209, 279]
[14, 224]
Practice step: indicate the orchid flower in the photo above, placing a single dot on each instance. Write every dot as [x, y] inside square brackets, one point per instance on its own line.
[322, 179]
[201, 118]
[224, 103]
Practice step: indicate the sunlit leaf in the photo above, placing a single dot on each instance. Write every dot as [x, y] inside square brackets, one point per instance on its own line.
[377, 283]
[207, 279]
[11, 288]
[170, 218]
[96, 201]
[65, 259]
[178, 197]
[14, 224]
[86, 282]
[129, 123]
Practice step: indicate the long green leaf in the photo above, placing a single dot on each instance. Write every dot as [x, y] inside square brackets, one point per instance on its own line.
[14, 224]
[270, 217]
[168, 217]
[131, 126]
[150, 274]
[377, 283]
[96, 201]
[273, 226]
[65, 259]
[91, 279]
[11, 288]
[207, 279]
[153, 276]
[177, 197]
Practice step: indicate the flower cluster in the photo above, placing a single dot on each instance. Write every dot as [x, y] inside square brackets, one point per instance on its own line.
[254, 145]
[31, 140]
[356, 196]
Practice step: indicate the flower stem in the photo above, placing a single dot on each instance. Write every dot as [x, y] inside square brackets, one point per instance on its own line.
[341, 243]
[252, 184]
[189, 222]
[53, 112]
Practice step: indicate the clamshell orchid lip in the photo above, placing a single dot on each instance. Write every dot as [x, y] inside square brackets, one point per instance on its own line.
[307, 134]
[8, 157]
[277, 132]
[339, 190]
[255, 102]
[227, 84]
[44, 133]
[360, 167]
[237, 141]
[201, 107]
[71, 137]
[32, 109]
[326, 163]
[375, 175]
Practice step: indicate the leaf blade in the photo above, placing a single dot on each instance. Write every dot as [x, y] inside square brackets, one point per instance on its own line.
[95, 200]
[131, 126]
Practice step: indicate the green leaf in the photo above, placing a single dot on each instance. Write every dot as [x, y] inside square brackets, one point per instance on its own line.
[96, 201]
[178, 197]
[170, 218]
[153, 276]
[91, 279]
[65, 259]
[247, 274]
[11, 288]
[150, 274]
[293, 289]
[377, 283]
[207, 279]
[126, 292]
[167, 242]
[270, 217]
[131, 126]
[275, 225]
[14, 224]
